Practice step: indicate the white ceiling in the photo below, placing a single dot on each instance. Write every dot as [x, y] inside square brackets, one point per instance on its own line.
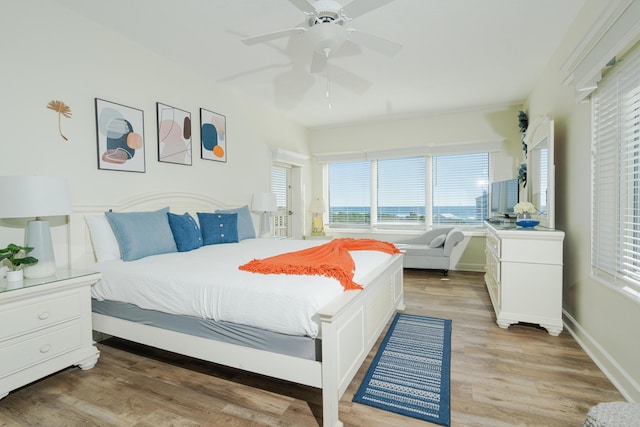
[457, 54]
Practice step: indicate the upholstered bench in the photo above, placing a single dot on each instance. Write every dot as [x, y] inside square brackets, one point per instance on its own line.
[431, 250]
[614, 414]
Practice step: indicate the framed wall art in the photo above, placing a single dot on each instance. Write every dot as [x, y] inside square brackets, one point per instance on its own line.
[213, 134]
[174, 135]
[120, 134]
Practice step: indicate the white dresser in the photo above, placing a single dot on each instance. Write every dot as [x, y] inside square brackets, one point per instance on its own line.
[45, 326]
[524, 275]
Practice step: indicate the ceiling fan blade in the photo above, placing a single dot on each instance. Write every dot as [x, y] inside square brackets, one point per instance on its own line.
[383, 46]
[360, 7]
[273, 36]
[318, 63]
[303, 5]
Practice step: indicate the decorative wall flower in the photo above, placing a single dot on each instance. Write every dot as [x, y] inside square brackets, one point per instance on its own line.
[63, 110]
[524, 207]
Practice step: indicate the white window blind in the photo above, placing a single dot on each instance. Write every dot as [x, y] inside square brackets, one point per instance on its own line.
[616, 174]
[280, 187]
[460, 188]
[401, 191]
[350, 194]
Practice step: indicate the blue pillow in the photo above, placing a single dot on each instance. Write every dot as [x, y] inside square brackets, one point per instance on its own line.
[218, 227]
[245, 223]
[185, 231]
[140, 234]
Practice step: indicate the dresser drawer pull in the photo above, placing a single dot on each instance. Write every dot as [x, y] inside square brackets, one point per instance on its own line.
[44, 315]
[45, 348]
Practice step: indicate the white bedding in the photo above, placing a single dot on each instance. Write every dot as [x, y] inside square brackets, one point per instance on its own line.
[207, 283]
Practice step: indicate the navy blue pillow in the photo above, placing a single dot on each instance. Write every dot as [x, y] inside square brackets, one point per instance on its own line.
[218, 227]
[185, 231]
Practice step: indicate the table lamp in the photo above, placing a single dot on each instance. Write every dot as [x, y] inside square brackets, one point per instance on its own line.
[36, 196]
[317, 211]
[265, 203]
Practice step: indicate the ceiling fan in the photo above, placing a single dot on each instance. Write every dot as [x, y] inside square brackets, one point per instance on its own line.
[325, 29]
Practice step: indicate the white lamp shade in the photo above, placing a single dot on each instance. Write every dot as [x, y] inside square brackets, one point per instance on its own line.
[33, 196]
[264, 202]
[317, 206]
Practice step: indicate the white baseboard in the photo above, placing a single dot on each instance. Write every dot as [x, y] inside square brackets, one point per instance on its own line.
[465, 266]
[625, 384]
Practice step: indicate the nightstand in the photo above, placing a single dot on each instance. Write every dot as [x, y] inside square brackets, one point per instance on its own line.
[45, 327]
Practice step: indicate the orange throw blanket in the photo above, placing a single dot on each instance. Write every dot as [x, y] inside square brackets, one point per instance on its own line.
[331, 260]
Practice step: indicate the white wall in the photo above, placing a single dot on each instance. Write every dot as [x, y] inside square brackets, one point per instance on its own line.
[50, 53]
[603, 319]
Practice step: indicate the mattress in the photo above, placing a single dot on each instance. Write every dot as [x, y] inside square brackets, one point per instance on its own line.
[206, 283]
[247, 336]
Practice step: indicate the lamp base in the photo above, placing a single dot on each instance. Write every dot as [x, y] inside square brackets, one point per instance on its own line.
[38, 237]
[317, 226]
[265, 226]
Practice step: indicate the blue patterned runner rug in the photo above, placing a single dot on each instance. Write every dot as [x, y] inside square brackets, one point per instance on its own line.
[410, 373]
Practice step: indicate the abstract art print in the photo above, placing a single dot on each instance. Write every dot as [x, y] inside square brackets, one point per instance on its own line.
[120, 133]
[174, 135]
[213, 132]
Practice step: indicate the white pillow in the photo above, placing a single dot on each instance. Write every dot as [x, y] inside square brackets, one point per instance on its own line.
[437, 241]
[105, 245]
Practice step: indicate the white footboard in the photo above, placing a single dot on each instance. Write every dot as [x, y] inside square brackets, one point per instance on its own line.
[351, 326]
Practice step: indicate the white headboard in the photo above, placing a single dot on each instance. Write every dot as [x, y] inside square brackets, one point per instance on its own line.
[80, 247]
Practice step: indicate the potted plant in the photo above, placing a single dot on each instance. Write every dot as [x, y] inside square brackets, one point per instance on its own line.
[12, 254]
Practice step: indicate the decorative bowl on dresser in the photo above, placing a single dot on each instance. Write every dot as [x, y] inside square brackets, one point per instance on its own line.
[45, 327]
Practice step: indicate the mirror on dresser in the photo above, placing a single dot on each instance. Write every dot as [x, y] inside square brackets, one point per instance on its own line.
[540, 189]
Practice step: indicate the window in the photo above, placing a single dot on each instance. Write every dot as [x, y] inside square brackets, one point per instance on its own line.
[392, 193]
[616, 175]
[280, 187]
[350, 194]
[401, 191]
[460, 189]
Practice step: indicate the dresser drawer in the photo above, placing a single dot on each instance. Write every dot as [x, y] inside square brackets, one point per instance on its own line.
[25, 316]
[493, 244]
[47, 345]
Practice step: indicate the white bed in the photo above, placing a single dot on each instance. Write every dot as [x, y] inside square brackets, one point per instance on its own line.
[349, 322]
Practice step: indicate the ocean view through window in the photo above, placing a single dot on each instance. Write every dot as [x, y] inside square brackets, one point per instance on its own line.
[460, 189]
[393, 193]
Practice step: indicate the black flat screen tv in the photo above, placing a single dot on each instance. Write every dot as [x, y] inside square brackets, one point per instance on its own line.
[504, 196]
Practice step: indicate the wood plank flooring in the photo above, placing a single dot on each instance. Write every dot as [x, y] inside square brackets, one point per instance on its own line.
[520, 376]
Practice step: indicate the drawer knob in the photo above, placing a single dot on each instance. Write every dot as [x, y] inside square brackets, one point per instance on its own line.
[45, 348]
[43, 315]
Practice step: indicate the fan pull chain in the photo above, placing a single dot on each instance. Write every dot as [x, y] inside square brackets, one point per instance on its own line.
[328, 82]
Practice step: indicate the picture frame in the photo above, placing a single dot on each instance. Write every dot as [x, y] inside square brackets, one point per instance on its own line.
[120, 137]
[213, 136]
[174, 135]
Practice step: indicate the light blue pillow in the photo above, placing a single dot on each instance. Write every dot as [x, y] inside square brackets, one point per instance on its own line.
[218, 227]
[140, 234]
[185, 231]
[245, 223]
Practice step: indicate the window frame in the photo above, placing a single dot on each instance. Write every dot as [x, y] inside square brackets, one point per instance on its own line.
[427, 222]
[615, 177]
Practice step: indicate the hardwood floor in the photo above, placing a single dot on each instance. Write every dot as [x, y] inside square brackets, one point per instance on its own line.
[520, 376]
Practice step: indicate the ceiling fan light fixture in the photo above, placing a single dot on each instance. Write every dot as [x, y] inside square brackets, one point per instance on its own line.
[327, 37]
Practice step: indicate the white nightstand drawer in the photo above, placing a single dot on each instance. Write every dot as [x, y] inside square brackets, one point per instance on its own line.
[39, 348]
[40, 312]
